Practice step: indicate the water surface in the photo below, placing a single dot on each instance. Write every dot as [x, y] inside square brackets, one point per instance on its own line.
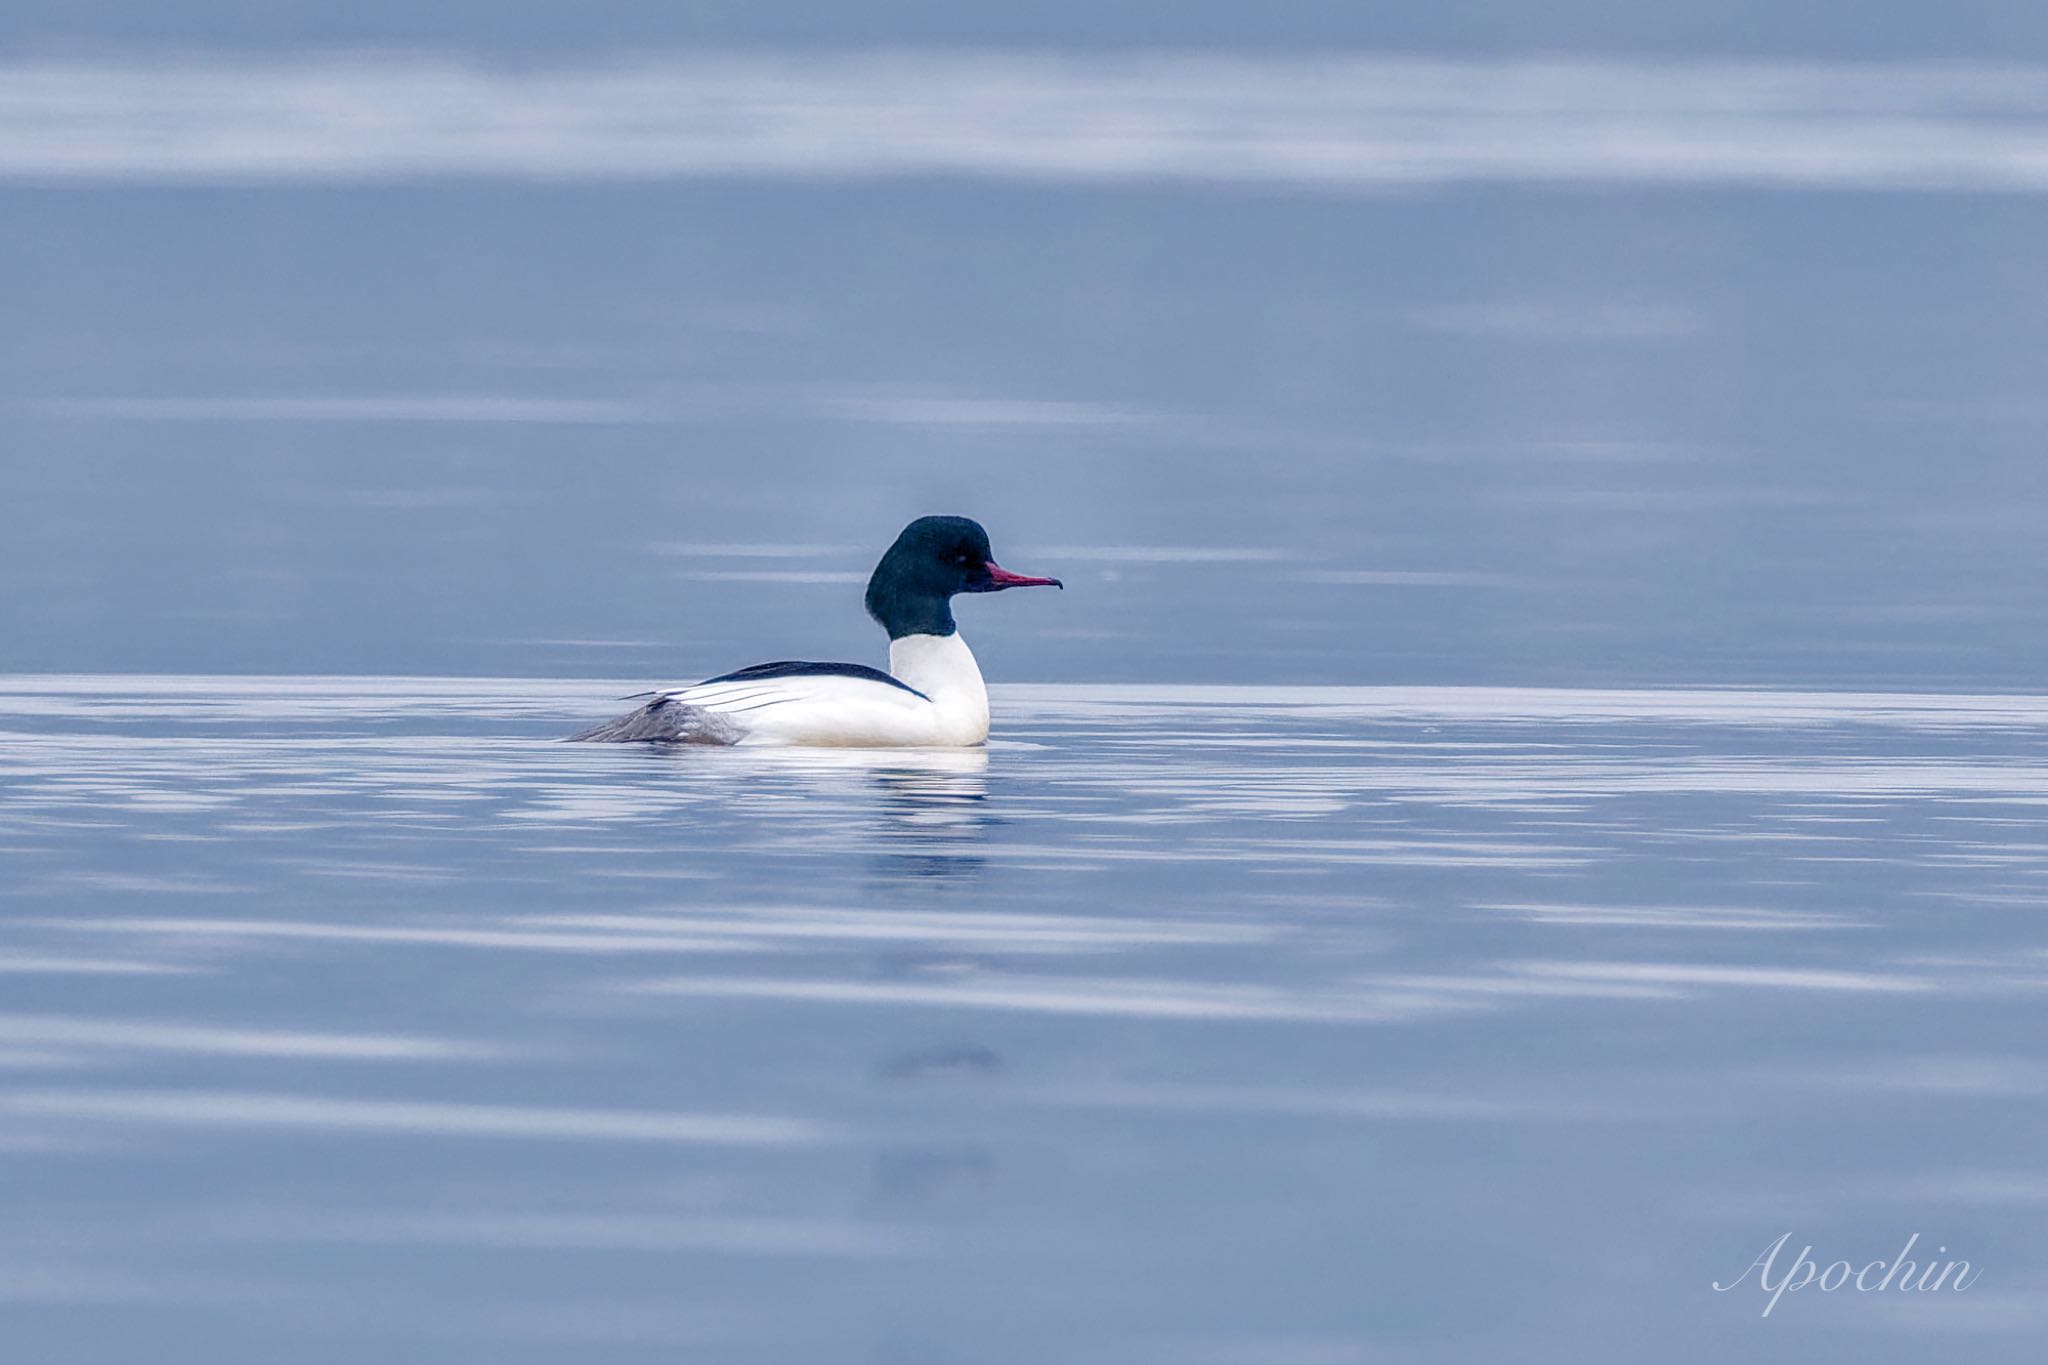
[356, 1018]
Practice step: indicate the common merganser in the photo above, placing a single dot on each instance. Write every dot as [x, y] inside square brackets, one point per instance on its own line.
[932, 695]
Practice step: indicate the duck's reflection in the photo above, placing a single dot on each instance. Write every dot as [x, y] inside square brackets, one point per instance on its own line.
[925, 811]
[933, 819]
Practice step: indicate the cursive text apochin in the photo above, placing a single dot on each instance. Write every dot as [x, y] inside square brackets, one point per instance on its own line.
[1901, 1274]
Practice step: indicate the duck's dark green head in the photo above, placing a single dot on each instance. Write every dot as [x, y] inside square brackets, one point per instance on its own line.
[912, 588]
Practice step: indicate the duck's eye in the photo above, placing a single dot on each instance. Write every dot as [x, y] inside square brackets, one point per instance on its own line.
[960, 558]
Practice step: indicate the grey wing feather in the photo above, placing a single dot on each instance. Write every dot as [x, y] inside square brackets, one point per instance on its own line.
[664, 720]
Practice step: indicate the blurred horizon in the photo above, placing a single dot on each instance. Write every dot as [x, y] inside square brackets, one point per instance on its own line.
[1535, 362]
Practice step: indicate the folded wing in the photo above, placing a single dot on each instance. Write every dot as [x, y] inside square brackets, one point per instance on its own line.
[788, 702]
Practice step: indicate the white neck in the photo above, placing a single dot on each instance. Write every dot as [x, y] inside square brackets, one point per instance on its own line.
[943, 668]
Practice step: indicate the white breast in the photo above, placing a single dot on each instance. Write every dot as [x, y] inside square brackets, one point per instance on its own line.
[943, 668]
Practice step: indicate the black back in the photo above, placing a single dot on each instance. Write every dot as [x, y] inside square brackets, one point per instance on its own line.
[800, 668]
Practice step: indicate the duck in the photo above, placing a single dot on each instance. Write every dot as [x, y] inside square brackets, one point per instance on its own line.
[932, 695]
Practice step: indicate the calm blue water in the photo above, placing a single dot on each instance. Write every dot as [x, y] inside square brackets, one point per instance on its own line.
[356, 1018]
[1473, 434]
